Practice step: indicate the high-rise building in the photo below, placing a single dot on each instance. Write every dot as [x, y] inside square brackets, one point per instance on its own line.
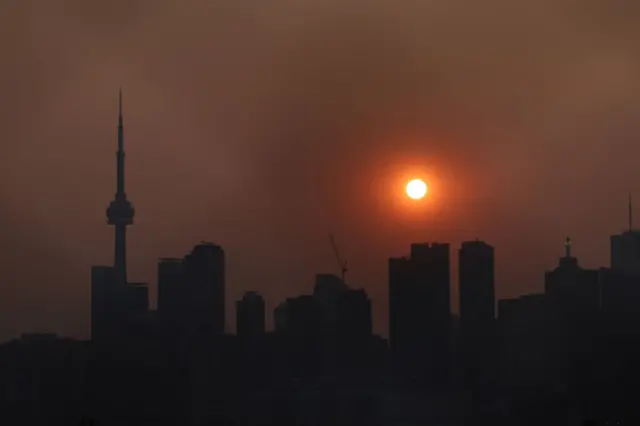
[523, 326]
[171, 292]
[477, 310]
[625, 249]
[327, 291]
[103, 303]
[205, 279]
[299, 320]
[420, 312]
[407, 316]
[570, 289]
[354, 329]
[250, 317]
[620, 284]
[477, 286]
[137, 299]
[574, 297]
[281, 318]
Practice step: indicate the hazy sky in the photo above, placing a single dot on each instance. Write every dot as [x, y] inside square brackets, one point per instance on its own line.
[263, 125]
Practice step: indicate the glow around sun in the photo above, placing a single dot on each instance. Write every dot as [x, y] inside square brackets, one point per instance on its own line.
[416, 189]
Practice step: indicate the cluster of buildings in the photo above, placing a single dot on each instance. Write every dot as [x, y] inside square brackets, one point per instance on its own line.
[333, 324]
[576, 339]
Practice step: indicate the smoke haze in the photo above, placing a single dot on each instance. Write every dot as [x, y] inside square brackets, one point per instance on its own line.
[264, 125]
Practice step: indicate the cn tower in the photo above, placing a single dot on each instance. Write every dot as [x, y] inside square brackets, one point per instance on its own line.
[120, 211]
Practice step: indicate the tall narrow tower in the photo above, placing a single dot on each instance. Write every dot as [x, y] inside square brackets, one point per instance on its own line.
[120, 211]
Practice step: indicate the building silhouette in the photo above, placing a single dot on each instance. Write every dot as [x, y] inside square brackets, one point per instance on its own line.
[250, 318]
[327, 292]
[354, 331]
[115, 301]
[299, 322]
[522, 324]
[476, 266]
[570, 289]
[573, 302]
[621, 282]
[205, 288]
[420, 313]
[625, 249]
[103, 305]
[572, 349]
[120, 212]
[172, 306]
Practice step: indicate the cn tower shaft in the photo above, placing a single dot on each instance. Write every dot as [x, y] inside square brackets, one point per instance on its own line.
[120, 212]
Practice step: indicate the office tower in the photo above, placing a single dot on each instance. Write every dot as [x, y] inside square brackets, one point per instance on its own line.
[205, 278]
[250, 317]
[354, 329]
[407, 316]
[281, 318]
[477, 311]
[103, 303]
[327, 291]
[477, 287]
[171, 292]
[420, 312]
[620, 284]
[299, 320]
[570, 289]
[137, 299]
[573, 299]
[625, 249]
[523, 325]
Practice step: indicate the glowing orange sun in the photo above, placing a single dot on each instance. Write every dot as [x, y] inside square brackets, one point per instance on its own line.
[417, 189]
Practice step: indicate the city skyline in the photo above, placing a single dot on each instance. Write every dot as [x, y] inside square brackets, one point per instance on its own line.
[530, 145]
[372, 213]
[119, 247]
[624, 257]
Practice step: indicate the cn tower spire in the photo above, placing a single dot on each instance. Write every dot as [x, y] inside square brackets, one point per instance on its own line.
[120, 155]
[120, 212]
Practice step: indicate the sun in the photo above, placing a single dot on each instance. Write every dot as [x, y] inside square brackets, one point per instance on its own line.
[416, 189]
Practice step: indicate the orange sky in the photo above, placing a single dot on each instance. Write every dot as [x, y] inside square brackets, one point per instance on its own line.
[263, 127]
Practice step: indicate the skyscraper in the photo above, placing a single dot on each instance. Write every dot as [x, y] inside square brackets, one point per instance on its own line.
[570, 289]
[354, 329]
[573, 297]
[407, 317]
[250, 317]
[420, 312]
[625, 249]
[205, 279]
[477, 287]
[102, 301]
[171, 292]
[477, 309]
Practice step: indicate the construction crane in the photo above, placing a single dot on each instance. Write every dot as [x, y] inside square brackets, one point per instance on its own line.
[341, 262]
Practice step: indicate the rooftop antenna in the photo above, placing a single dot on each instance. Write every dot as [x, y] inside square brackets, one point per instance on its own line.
[567, 247]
